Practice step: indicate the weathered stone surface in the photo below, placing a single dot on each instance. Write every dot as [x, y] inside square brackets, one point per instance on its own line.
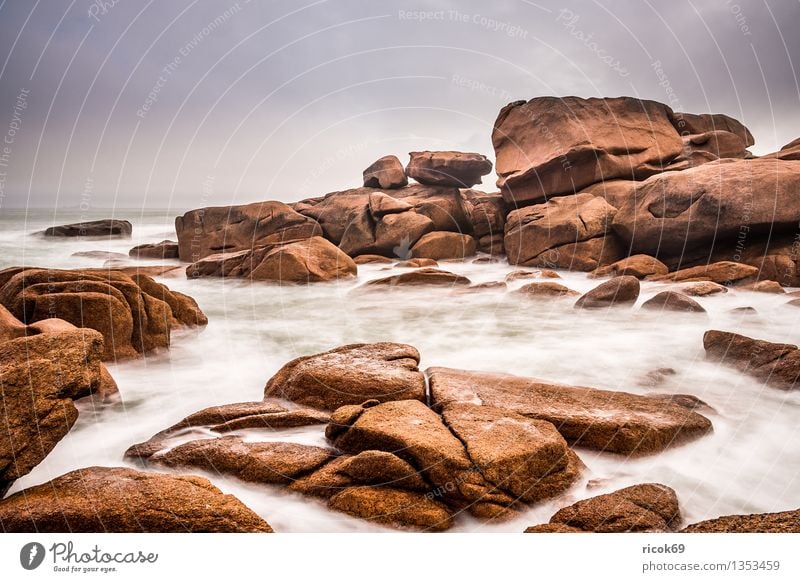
[586, 255]
[553, 146]
[385, 172]
[445, 168]
[106, 227]
[546, 289]
[791, 151]
[672, 301]
[619, 291]
[382, 468]
[616, 422]
[381, 204]
[444, 245]
[350, 374]
[311, 260]
[166, 249]
[723, 272]
[711, 145]
[424, 276]
[416, 264]
[370, 259]
[703, 289]
[105, 499]
[487, 214]
[692, 123]
[783, 522]
[393, 507]
[764, 287]
[775, 364]
[639, 266]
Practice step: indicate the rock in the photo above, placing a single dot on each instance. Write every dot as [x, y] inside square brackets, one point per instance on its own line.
[745, 310]
[370, 259]
[350, 374]
[166, 249]
[765, 287]
[703, 289]
[42, 374]
[546, 289]
[618, 291]
[447, 168]
[775, 364]
[106, 227]
[424, 276]
[690, 123]
[103, 255]
[552, 528]
[616, 422]
[649, 507]
[255, 462]
[791, 151]
[10, 327]
[498, 286]
[385, 172]
[672, 301]
[487, 213]
[712, 145]
[381, 204]
[119, 500]
[393, 507]
[133, 313]
[532, 231]
[416, 264]
[587, 255]
[382, 468]
[794, 302]
[678, 213]
[658, 376]
[444, 245]
[723, 272]
[615, 192]
[639, 266]
[554, 146]
[539, 273]
[312, 260]
[224, 229]
[686, 400]
[783, 522]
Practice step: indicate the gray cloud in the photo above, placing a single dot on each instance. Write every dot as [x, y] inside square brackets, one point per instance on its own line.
[195, 102]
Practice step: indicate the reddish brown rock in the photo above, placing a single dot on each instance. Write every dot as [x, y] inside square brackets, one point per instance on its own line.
[791, 151]
[672, 301]
[166, 249]
[426, 276]
[105, 499]
[619, 291]
[487, 214]
[110, 227]
[691, 123]
[639, 266]
[765, 287]
[444, 245]
[371, 259]
[775, 364]
[446, 168]
[386, 172]
[393, 507]
[703, 289]
[416, 264]
[723, 272]
[546, 289]
[712, 145]
[783, 522]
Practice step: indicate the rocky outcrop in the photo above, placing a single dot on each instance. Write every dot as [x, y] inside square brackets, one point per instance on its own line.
[693, 124]
[444, 245]
[487, 214]
[552, 146]
[446, 168]
[386, 172]
[224, 229]
[426, 276]
[119, 500]
[619, 291]
[783, 522]
[639, 266]
[534, 232]
[133, 313]
[772, 363]
[312, 260]
[709, 146]
[350, 374]
[616, 422]
[166, 249]
[650, 507]
[107, 227]
[672, 301]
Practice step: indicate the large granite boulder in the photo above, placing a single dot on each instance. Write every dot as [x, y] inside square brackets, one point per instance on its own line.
[445, 168]
[386, 172]
[722, 272]
[110, 227]
[619, 291]
[444, 245]
[775, 364]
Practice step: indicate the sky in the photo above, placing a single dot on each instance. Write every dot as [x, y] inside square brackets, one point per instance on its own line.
[192, 103]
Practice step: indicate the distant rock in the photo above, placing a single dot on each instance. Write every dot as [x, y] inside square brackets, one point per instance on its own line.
[106, 227]
[448, 168]
[102, 255]
[416, 264]
[619, 291]
[372, 259]
[166, 249]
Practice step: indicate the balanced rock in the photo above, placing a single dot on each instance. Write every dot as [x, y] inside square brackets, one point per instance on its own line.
[107, 227]
[623, 290]
[447, 168]
[386, 172]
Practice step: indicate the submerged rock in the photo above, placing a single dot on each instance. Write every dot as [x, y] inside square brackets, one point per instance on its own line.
[106, 227]
[672, 301]
[619, 291]
[775, 364]
[444, 245]
[639, 266]
[424, 276]
[393, 507]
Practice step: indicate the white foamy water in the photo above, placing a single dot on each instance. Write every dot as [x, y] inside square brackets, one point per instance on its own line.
[751, 463]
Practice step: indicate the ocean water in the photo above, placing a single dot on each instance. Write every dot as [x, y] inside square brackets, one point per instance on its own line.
[751, 462]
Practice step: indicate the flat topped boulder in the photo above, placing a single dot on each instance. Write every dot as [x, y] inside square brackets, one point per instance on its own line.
[119, 500]
[551, 146]
[782, 522]
[423, 276]
[619, 291]
[722, 272]
[617, 422]
[166, 249]
[448, 168]
[106, 227]
[350, 374]
[773, 363]
[386, 172]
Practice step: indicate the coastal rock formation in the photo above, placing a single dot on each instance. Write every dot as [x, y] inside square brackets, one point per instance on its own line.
[649, 507]
[133, 313]
[672, 301]
[616, 422]
[119, 500]
[783, 522]
[311, 260]
[350, 374]
[639, 266]
[619, 291]
[444, 245]
[551, 146]
[791, 151]
[107, 227]
[426, 276]
[222, 229]
[487, 215]
[775, 364]
[445, 168]
[386, 172]
[692, 123]
[711, 145]
[546, 289]
[166, 249]
[393, 507]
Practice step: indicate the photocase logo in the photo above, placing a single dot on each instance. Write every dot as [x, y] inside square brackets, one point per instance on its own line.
[31, 555]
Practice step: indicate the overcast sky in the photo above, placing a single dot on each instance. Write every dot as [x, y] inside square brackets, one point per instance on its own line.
[191, 103]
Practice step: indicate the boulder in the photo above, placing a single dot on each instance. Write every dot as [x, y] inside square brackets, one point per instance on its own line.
[538, 273]
[311, 260]
[649, 507]
[712, 145]
[106, 227]
[774, 364]
[487, 214]
[692, 123]
[103, 255]
[672, 301]
[639, 266]
[723, 272]
[552, 146]
[586, 255]
[393, 507]
[416, 264]
[678, 213]
[616, 422]
[372, 259]
[166, 249]
[386, 172]
[10, 327]
[703, 289]
[765, 287]
[133, 313]
[222, 229]
[381, 204]
[350, 374]
[791, 151]
[426, 276]
[619, 291]
[783, 522]
[119, 500]
[447, 168]
[546, 289]
[532, 231]
[444, 245]
[382, 468]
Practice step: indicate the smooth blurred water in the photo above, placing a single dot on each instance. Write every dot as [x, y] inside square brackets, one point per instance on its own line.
[751, 463]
